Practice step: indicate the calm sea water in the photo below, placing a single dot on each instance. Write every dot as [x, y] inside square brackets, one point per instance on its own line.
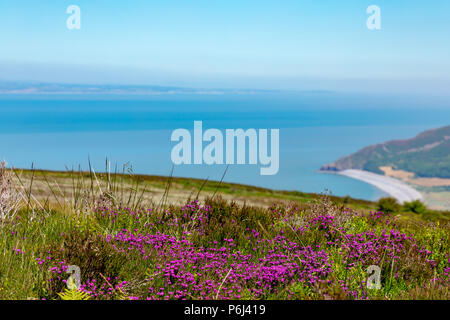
[315, 129]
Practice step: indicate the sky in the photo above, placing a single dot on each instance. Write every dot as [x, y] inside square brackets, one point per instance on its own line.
[290, 44]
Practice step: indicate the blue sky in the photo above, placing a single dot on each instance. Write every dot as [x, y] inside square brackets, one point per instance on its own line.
[291, 44]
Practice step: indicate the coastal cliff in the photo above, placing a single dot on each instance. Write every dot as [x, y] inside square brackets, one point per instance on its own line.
[426, 155]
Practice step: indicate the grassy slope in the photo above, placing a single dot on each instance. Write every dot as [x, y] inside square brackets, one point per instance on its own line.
[54, 229]
[181, 189]
[153, 191]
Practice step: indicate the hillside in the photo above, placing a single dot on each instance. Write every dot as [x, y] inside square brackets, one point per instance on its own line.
[130, 242]
[54, 188]
[426, 155]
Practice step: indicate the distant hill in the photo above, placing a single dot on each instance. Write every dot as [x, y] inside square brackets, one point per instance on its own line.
[24, 88]
[426, 155]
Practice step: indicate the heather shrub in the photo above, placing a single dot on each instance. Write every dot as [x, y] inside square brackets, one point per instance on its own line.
[99, 262]
[216, 249]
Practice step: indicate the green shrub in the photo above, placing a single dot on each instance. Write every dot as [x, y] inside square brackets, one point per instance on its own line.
[388, 205]
[415, 206]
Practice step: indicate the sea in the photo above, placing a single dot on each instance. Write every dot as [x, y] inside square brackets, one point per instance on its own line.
[60, 132]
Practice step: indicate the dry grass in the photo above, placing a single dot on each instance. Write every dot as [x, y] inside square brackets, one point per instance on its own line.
[10, 196]
[57, 188]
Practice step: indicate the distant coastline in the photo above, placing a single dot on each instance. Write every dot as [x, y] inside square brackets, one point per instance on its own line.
[395, 188]
[410, 169]
[51, 89]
